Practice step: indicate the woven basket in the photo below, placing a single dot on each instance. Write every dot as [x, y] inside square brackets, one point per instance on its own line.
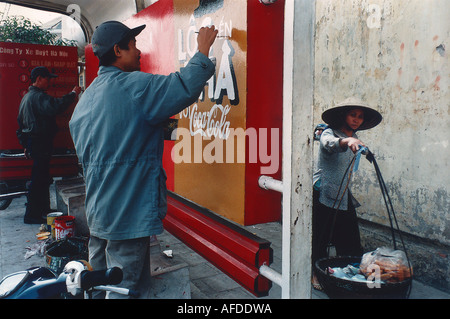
[337, 288]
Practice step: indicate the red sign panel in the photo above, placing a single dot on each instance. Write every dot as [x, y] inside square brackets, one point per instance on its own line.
[16, 62]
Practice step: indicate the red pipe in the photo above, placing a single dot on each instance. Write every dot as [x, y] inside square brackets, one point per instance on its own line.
[230, 248]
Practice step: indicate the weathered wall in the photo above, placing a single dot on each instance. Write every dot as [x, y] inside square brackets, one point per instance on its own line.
[393, 55]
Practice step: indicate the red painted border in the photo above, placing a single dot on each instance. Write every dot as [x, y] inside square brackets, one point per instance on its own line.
[264, 101]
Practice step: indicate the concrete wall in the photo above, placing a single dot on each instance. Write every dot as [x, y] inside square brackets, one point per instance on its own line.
[394, 55]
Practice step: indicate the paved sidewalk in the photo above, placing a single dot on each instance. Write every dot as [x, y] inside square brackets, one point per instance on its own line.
[207, 281]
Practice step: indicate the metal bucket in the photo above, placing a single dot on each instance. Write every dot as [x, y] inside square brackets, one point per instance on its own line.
[60, 252]
[51, 222]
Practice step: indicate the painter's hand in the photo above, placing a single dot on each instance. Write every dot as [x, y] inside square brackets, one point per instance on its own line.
[206, 38]
[27, 153]
[76, 90]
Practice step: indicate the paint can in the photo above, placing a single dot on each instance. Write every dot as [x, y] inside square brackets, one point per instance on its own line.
[64, 227]
[51, 222]
[60, 252]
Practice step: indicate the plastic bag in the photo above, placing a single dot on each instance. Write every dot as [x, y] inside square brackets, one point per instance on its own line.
[351, 272]
[390, 265]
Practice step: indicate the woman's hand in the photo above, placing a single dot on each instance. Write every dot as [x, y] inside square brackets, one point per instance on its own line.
[352, 143]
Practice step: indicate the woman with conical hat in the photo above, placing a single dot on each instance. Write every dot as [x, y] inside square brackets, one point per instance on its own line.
[334, 220]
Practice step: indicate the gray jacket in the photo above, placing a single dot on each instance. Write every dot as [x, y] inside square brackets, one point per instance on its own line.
[332, 164]
[118, 132]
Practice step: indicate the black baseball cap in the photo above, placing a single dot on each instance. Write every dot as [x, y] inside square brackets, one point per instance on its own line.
[41, 71]
[109, 34]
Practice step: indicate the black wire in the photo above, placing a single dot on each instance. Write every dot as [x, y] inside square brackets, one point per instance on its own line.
[385, 193]
[383, 188]
[385, 196]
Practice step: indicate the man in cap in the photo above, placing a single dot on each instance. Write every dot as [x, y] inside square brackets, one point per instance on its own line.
[118, 129]
[37, 129]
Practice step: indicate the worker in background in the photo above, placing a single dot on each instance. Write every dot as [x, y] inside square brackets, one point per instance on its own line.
[118, 132]
[37, 129]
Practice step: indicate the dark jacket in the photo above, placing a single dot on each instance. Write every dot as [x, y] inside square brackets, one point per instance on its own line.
[37, 114]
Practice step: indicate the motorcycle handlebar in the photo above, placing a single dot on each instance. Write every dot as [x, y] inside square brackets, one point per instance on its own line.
[112, 276]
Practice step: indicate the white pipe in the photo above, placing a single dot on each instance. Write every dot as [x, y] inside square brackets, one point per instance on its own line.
[12, 195]
[270, 183]
[284, 186]
[271, 274]
[291, 272]
[288, 79]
